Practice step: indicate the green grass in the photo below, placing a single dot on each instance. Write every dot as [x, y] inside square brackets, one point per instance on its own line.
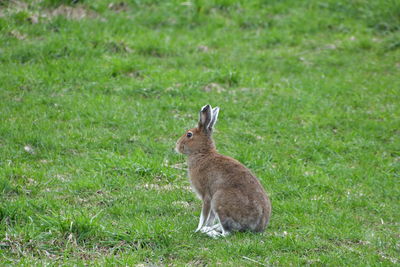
[93, 97]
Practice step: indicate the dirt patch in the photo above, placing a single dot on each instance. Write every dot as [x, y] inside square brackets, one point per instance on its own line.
[118, 7]
[33, 19]
[203, 48]
[184, 204]
[29, 149]
[214, 87]
[14, 4]
[74, 13]
[180, 166]
[19, 36]
[167, 187]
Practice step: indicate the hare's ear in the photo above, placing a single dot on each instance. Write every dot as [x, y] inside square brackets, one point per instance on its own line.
[205, 118]
[214, 118]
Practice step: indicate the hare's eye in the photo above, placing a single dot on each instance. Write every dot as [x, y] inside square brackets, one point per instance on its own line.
[189, 134]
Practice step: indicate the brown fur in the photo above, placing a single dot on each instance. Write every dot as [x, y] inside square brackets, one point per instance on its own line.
[227, 188]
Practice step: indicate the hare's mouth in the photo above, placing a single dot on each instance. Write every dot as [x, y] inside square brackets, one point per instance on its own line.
[177, 149]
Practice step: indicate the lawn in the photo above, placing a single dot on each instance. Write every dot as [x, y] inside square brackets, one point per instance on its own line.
[94, 95]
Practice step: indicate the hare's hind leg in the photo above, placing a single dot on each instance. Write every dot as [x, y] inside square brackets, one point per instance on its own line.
[228, 211]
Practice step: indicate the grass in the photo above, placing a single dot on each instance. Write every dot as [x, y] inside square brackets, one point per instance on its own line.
[94, 95]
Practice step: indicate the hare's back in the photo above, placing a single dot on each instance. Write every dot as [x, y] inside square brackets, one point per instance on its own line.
[233, 172]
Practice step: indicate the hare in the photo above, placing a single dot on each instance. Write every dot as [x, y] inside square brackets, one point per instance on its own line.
[230, 193]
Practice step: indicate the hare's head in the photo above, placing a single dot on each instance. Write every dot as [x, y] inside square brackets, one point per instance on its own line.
[199, 139]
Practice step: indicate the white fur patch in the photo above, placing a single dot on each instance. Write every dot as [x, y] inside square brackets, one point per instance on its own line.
[201, 222]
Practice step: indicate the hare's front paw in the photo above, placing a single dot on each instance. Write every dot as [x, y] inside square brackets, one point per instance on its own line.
[214, 231]
[217, 227]
[214, 234]
[206, 229]
[217, 234]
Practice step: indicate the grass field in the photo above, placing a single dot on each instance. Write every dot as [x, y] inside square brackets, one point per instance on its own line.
[94, 95]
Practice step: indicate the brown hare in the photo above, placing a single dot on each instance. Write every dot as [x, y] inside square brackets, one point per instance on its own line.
[230, 193]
